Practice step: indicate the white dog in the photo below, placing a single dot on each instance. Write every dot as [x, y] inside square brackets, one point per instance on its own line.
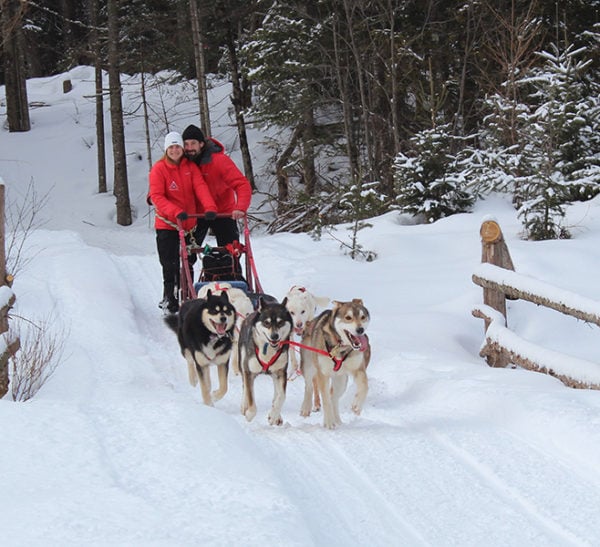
[243, 307]
[302, 305]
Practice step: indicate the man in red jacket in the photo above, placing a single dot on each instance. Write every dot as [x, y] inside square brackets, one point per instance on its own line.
[231, 190]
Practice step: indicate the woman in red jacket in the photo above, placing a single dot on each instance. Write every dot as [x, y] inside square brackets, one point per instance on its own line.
[177, 189]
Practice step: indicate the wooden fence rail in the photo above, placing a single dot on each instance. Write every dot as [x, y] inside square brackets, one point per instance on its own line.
[499, 281]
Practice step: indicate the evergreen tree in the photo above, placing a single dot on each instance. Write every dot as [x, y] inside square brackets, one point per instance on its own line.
[545, 149]
[431, 182]
[560, 141]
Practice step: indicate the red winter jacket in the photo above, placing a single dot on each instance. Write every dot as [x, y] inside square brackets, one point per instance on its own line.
[177, 188]
[230, 188]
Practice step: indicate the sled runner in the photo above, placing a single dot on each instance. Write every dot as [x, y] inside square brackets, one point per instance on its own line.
[233, 264]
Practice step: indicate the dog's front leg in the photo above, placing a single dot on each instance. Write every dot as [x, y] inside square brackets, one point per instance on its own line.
[338, 386]
[279, 385]
[324, 388]
[317, 399]
[235, 361]
[192, 373]
[362, 387]
[204, 377]
[223, 371]
[308, 373]
[293, 364]
[248, 405]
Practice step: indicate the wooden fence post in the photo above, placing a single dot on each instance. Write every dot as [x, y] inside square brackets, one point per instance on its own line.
[494, 251]
[10, 346]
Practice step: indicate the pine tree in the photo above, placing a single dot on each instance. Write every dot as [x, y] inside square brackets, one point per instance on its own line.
[560, 136]
[431, 182]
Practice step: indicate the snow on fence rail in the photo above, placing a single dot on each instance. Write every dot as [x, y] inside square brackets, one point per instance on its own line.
[502, 346]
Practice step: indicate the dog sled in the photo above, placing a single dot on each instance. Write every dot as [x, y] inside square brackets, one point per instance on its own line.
[233, 264]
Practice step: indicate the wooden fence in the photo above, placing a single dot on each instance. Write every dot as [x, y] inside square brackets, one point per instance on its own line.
[8, 346]
[502, 346]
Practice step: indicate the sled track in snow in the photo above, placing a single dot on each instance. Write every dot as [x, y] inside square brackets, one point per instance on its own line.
[362, 471]
[444, 473]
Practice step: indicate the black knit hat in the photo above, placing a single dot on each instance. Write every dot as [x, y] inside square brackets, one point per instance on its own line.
[193, 132]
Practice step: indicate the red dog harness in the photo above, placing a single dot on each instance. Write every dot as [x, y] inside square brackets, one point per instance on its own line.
[265, 366]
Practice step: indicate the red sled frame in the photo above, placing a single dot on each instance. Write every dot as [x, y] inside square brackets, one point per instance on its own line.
[187, 290]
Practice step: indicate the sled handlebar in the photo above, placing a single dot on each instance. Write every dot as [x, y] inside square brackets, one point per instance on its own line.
[201, 216]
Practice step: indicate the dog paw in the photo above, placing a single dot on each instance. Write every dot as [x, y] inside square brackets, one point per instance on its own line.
[316, 408]
[330, 425]
[356, 409]
[275, 420]
[250, 414]
[304, 412]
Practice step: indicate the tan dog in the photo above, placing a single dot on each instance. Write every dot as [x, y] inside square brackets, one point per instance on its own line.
[243, 307]
[302, 305]
[339, 348]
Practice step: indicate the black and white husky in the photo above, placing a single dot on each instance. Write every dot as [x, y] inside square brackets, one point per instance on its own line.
[263, 349]
[204, 329]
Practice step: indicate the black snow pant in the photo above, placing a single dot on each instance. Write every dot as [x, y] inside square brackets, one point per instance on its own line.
[167, 244]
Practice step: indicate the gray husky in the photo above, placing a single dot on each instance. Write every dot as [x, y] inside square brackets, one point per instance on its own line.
[263, 349]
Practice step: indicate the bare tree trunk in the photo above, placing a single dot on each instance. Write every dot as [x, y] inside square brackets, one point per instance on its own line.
[346, 101]
[238, 102]
[17, 107]
[308, 152]
[283, 191]
[394, 78]
[198, 42]
[101, 143]
[146, 120]
[121, 186]
[355, 49]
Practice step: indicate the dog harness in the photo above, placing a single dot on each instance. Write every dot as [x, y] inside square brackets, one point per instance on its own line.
[265, 366]
[332, 352]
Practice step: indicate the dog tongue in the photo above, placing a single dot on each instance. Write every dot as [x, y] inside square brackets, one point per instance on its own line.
[362, 338]
[221, 328]
[358, 341]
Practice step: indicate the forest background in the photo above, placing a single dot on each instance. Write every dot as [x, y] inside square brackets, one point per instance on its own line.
[381, 105]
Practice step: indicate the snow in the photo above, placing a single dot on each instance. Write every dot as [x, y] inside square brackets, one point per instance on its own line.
[118, 449]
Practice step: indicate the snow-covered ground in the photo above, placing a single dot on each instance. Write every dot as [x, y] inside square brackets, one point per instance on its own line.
[118, 449]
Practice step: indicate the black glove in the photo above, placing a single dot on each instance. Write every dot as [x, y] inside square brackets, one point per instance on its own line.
[182, 216]
[210, 215]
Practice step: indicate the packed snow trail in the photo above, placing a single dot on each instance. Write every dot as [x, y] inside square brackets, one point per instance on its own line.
[441, 444]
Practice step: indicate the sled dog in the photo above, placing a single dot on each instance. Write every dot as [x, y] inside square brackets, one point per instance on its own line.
[302, 305]
[243, 307]
[263, 349]
[204, 329]
[339, 348]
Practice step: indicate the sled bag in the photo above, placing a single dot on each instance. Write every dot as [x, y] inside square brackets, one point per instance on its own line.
[219, 266]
